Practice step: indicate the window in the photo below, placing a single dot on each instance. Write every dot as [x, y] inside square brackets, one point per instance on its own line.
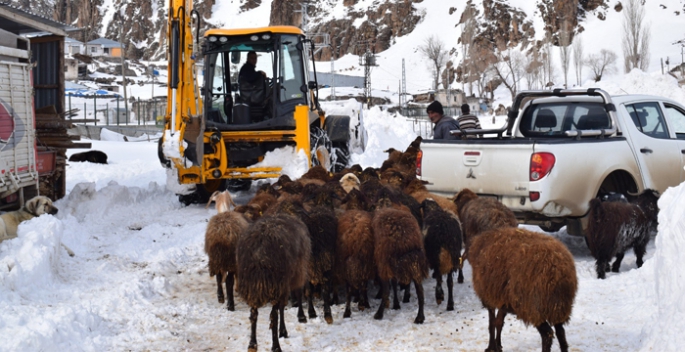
[93, 49]
[106, 50]
[554, 119]
[648, 119]
[291, 74]
[676, 116]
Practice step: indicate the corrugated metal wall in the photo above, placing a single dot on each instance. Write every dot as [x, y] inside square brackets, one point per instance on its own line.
[48, 75]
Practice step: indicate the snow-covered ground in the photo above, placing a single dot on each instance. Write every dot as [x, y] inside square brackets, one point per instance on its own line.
[139, 280]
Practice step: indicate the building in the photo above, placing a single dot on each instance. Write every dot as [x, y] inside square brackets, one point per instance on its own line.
[103, 47]
[73, 46]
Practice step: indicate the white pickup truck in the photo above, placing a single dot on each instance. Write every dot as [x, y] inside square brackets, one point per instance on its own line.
[561, 148]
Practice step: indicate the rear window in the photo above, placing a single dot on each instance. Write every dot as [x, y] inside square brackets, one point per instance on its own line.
[552, 120]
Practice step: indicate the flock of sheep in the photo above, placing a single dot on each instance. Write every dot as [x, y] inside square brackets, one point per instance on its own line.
[303, 238]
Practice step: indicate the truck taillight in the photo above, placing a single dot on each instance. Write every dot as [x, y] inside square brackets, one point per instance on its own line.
[540, 165]
[419, 156]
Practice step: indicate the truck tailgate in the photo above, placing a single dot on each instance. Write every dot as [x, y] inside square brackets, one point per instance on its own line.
[483, 167]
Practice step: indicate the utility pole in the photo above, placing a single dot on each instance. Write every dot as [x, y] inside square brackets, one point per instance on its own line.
[123, 65]
[368, 60]
[403, 88]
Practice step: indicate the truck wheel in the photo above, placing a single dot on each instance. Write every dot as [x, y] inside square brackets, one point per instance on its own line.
[553, 227]
[321, 147]
[202, 193]
[340, 157]
[238, 184]
[160, 154]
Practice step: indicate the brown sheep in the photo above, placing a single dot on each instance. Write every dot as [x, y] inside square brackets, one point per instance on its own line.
[615, 226]
[442, 240]
[399, 254]
[525, 273]
[481, 214]
[417, 189]
[272, 259]
[221, 238]
[355, 254]
[322, 226]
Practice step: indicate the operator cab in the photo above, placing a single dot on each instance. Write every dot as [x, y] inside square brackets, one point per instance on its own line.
[254, 78]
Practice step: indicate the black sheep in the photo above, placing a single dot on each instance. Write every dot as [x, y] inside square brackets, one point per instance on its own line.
[442, 240]
[615, 226]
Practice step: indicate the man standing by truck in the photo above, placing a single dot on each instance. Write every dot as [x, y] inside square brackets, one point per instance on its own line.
[443, 124]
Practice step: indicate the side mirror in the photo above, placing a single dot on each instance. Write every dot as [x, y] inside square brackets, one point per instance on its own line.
[311, 85]
[235, 57]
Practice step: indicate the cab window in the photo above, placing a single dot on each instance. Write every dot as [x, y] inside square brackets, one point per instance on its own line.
[648, 119]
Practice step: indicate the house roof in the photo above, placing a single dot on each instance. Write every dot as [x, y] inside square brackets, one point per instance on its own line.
[105, 43]
[72, 41]
[17, 21]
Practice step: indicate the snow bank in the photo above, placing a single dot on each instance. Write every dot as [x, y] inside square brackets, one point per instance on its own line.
[664, 330]
[30, 262]
[385, 130]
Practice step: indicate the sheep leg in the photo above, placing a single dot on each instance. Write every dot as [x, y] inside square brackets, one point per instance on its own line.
[561, 336]
[282, 331]
[379, 294]
[640, 249]
[384, 300]
[492, 345]
[300, 311]
[252, 347]
[547, 335]
[326, 303]
[420, 318]
[601, 265]
[229, 292]
[395, 300]
[348, 300]
[460, 276]
[439, 293]
[499, 324]
[364, 296]
[310, 305]
[450, 291]
[617, 262]
[407, 293]
[219, 288]
[275, 346]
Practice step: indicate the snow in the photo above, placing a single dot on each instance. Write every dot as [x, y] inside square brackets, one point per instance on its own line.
[139, 279]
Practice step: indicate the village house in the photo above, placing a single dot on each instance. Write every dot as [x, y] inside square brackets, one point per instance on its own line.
[103, 47]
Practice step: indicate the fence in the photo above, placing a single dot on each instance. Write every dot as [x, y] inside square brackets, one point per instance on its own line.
[111, 110]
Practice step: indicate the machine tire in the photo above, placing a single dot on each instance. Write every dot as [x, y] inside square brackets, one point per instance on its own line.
[202, 193]
[160, 154]
[238, 184]
[319, 142]
[340, 157]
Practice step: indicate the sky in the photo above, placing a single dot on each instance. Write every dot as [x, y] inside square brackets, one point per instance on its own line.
[139, 279]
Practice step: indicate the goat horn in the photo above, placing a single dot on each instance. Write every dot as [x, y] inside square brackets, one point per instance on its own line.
[633, 194]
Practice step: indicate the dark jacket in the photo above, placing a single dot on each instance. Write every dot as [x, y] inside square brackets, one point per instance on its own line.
[248, 74]
[443, 127]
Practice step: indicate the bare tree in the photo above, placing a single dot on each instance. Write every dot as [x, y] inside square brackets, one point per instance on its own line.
[601, 63]
[565, 34]
[578, 59]
[532, 69]
[547, 76]
[509, 70]
[434, 50]
[636, 35]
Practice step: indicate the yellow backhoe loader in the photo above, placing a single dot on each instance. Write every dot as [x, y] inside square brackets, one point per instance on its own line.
[219, 126]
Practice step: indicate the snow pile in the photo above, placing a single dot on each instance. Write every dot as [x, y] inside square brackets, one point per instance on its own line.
[30, 263]
[663, 331]
[638, 82]
[385, 130]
